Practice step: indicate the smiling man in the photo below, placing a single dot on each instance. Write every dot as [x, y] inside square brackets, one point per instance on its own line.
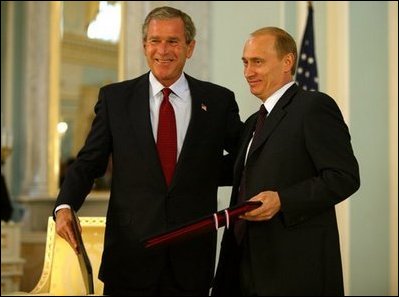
[166, 132]
[296, 158]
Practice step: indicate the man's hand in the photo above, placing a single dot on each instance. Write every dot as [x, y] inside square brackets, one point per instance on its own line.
[64, 227]
[271, 205]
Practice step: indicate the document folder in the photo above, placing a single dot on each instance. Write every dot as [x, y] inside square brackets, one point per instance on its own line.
[84, 260]
[206, 224]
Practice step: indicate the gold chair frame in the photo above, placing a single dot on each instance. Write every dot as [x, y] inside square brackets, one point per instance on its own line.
[61, 274]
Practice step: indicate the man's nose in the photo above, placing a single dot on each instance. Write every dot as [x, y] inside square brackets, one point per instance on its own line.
[163, 47]
[248, 71]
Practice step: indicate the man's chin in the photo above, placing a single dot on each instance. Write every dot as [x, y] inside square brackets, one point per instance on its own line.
[254, 92]
[161, 73]
[164, 78]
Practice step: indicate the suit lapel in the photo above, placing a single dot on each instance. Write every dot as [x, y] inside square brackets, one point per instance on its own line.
[246, 137]
[199, 106]
[274, 118]
[139, 113]
[239, 164]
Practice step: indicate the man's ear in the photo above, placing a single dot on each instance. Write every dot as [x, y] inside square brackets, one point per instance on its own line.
[288, 61]
[190, 49]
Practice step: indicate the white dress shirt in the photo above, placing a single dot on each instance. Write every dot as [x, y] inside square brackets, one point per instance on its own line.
[269, 103]
[180, 98]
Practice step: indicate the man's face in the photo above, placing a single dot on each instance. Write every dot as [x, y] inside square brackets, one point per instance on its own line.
[166, 49]
[264, 71]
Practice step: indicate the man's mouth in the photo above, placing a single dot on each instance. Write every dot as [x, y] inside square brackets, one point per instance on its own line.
[164, 61]
[253, 82]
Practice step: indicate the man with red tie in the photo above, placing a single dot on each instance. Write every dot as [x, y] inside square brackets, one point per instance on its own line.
[166, 132]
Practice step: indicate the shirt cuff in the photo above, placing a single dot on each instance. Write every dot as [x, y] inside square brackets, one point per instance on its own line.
[61, 206]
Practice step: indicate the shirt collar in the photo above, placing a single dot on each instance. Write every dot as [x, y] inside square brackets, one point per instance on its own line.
[179, 87]
[273, 99]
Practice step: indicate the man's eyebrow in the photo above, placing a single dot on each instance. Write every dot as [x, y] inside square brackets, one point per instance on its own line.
[252, 59]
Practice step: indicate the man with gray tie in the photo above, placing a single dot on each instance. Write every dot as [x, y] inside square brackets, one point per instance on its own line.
[299, 163]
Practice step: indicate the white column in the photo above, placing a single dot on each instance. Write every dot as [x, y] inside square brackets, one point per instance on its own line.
[7, 90]
[302, 13]
[132, 61]
[41, 99]
[393, 143]
[131, 57]
[338, 88]
[199, 11]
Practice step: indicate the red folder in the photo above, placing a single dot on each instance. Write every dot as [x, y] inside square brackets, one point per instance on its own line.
[83, 257]
[206, 224]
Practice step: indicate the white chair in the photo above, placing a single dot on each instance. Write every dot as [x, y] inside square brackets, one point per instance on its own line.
[61, 274]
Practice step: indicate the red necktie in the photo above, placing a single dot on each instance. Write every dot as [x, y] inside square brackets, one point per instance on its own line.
[167, 138]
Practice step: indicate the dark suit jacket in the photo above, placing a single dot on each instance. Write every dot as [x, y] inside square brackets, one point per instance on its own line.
[140, 203]
[6, 206]
[306, 156]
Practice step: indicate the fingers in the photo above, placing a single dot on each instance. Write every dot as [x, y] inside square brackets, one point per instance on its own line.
[270, 206]
[64, 227]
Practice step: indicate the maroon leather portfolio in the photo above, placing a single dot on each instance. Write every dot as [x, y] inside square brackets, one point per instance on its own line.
[206, 224]
[83, 257]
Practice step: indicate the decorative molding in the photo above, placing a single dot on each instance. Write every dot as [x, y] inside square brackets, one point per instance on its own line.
[39, 96]
[56, 249]
[54, 141]
[44, 278]
[338, 88]
[11, 262]
[393, 143]
[38, 208]
[81, 50]
[7, 93]
[38, 237]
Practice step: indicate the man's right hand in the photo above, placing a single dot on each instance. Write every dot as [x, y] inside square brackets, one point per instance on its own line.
[64, 227]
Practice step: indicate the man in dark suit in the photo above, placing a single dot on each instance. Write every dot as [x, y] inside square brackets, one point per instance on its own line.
[6, 206]
[300, 164]
[147, 197]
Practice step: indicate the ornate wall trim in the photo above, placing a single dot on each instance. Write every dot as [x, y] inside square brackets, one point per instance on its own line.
[78, 49]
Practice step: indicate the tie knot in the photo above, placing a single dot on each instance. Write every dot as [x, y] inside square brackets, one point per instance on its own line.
[166, 92]
[262, 110]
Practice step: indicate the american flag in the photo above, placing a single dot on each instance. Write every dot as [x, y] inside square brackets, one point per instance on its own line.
[306, 75]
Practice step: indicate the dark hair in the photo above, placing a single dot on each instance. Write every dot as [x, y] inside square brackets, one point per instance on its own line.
[166, 12]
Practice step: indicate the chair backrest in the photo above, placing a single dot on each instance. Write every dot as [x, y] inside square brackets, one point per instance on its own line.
[61, 273]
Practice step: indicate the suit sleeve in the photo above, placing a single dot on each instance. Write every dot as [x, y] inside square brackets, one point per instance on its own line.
[234, 128]
[328, 144]
[92, 159]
